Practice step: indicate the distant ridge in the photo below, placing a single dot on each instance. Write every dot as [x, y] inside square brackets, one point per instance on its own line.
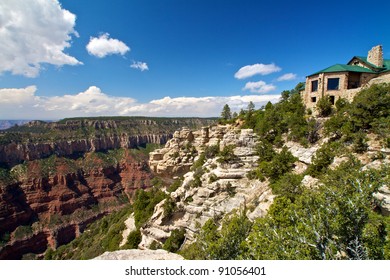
[5, 124]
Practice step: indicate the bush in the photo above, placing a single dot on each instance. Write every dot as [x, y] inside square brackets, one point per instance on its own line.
[265, 151]
[227, 154]
[312, 131]
[224, 244]
[156, 182]
[169, 207]
[211, 151]
[199, 162]
[322, 159]
[213, 178]
[133, 240]
[360, 143]
[280, 164]
[23, 231]
[324, 106]
[175, 185]
[289, 185]
[144, 204]
[175, 240]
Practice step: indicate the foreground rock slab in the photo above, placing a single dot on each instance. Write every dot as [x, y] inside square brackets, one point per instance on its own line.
[136, 254]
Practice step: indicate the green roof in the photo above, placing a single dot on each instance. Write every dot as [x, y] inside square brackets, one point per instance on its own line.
[344, 68]
[355, 68]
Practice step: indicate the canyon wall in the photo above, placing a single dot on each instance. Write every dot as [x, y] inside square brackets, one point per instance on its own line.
[15, 153]
[39, 211]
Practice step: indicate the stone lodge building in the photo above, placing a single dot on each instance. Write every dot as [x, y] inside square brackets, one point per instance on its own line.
[345, 80]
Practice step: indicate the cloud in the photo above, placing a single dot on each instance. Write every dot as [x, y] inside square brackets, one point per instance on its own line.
[139, 65]
[104, 45]
[256, 69]
[287, 77]
[94, 102]
[259, 87]
[11, 96]
[34, 33]
[90, 102]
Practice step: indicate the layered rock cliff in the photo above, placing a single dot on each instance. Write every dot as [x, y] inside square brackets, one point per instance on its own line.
[51, 201]
[214, 188]
[37, 139]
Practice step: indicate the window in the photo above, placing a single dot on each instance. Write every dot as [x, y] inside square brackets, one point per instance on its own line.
[314, 85]
[314, 99]
[333, 83]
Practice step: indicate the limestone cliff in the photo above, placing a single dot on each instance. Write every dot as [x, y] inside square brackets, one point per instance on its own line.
[218, 186]
[214, 189]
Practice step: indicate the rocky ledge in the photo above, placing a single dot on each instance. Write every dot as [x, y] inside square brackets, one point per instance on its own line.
[135, 254]
[221, 187]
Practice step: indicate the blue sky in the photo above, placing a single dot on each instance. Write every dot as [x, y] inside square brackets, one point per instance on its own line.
[72, 58]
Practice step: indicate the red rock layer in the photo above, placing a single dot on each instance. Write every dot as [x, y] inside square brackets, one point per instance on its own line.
[45, 198]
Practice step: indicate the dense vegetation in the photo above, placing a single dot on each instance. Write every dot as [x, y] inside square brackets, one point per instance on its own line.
[330, 222]
[339, 219]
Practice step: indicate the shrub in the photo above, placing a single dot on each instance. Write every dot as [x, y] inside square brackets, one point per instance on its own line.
[199, 162]
[169, 207]
[230, 189]
[23, 231]
[280, 164]
[211, 151]
[213, 178]
[155, 245]
[144, 204]
[312, 132]
[156, 182]
[322, 159]
[133, 239]
[175, 185]
[227, 154]
[324, 106]
[289, 185]
[265, 151]
[175, 240]
[360, 143]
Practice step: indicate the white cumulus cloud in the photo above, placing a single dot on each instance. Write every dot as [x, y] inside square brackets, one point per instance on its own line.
[256, 69]
[34, 33]
[25, 104]
[104, 45]
[139, 65]
[287, 77]
[259, 87]
[17, 95]
[90, 102]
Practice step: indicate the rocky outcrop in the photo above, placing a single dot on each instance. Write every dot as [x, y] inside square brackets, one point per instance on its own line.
[383, 197]
[179, 153]
[130, 226]
[135, 254]
[222, 187]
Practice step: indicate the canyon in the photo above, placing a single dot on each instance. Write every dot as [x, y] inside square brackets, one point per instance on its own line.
[55, 181]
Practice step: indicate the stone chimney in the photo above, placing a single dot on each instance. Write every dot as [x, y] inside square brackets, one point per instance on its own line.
[375, 56]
